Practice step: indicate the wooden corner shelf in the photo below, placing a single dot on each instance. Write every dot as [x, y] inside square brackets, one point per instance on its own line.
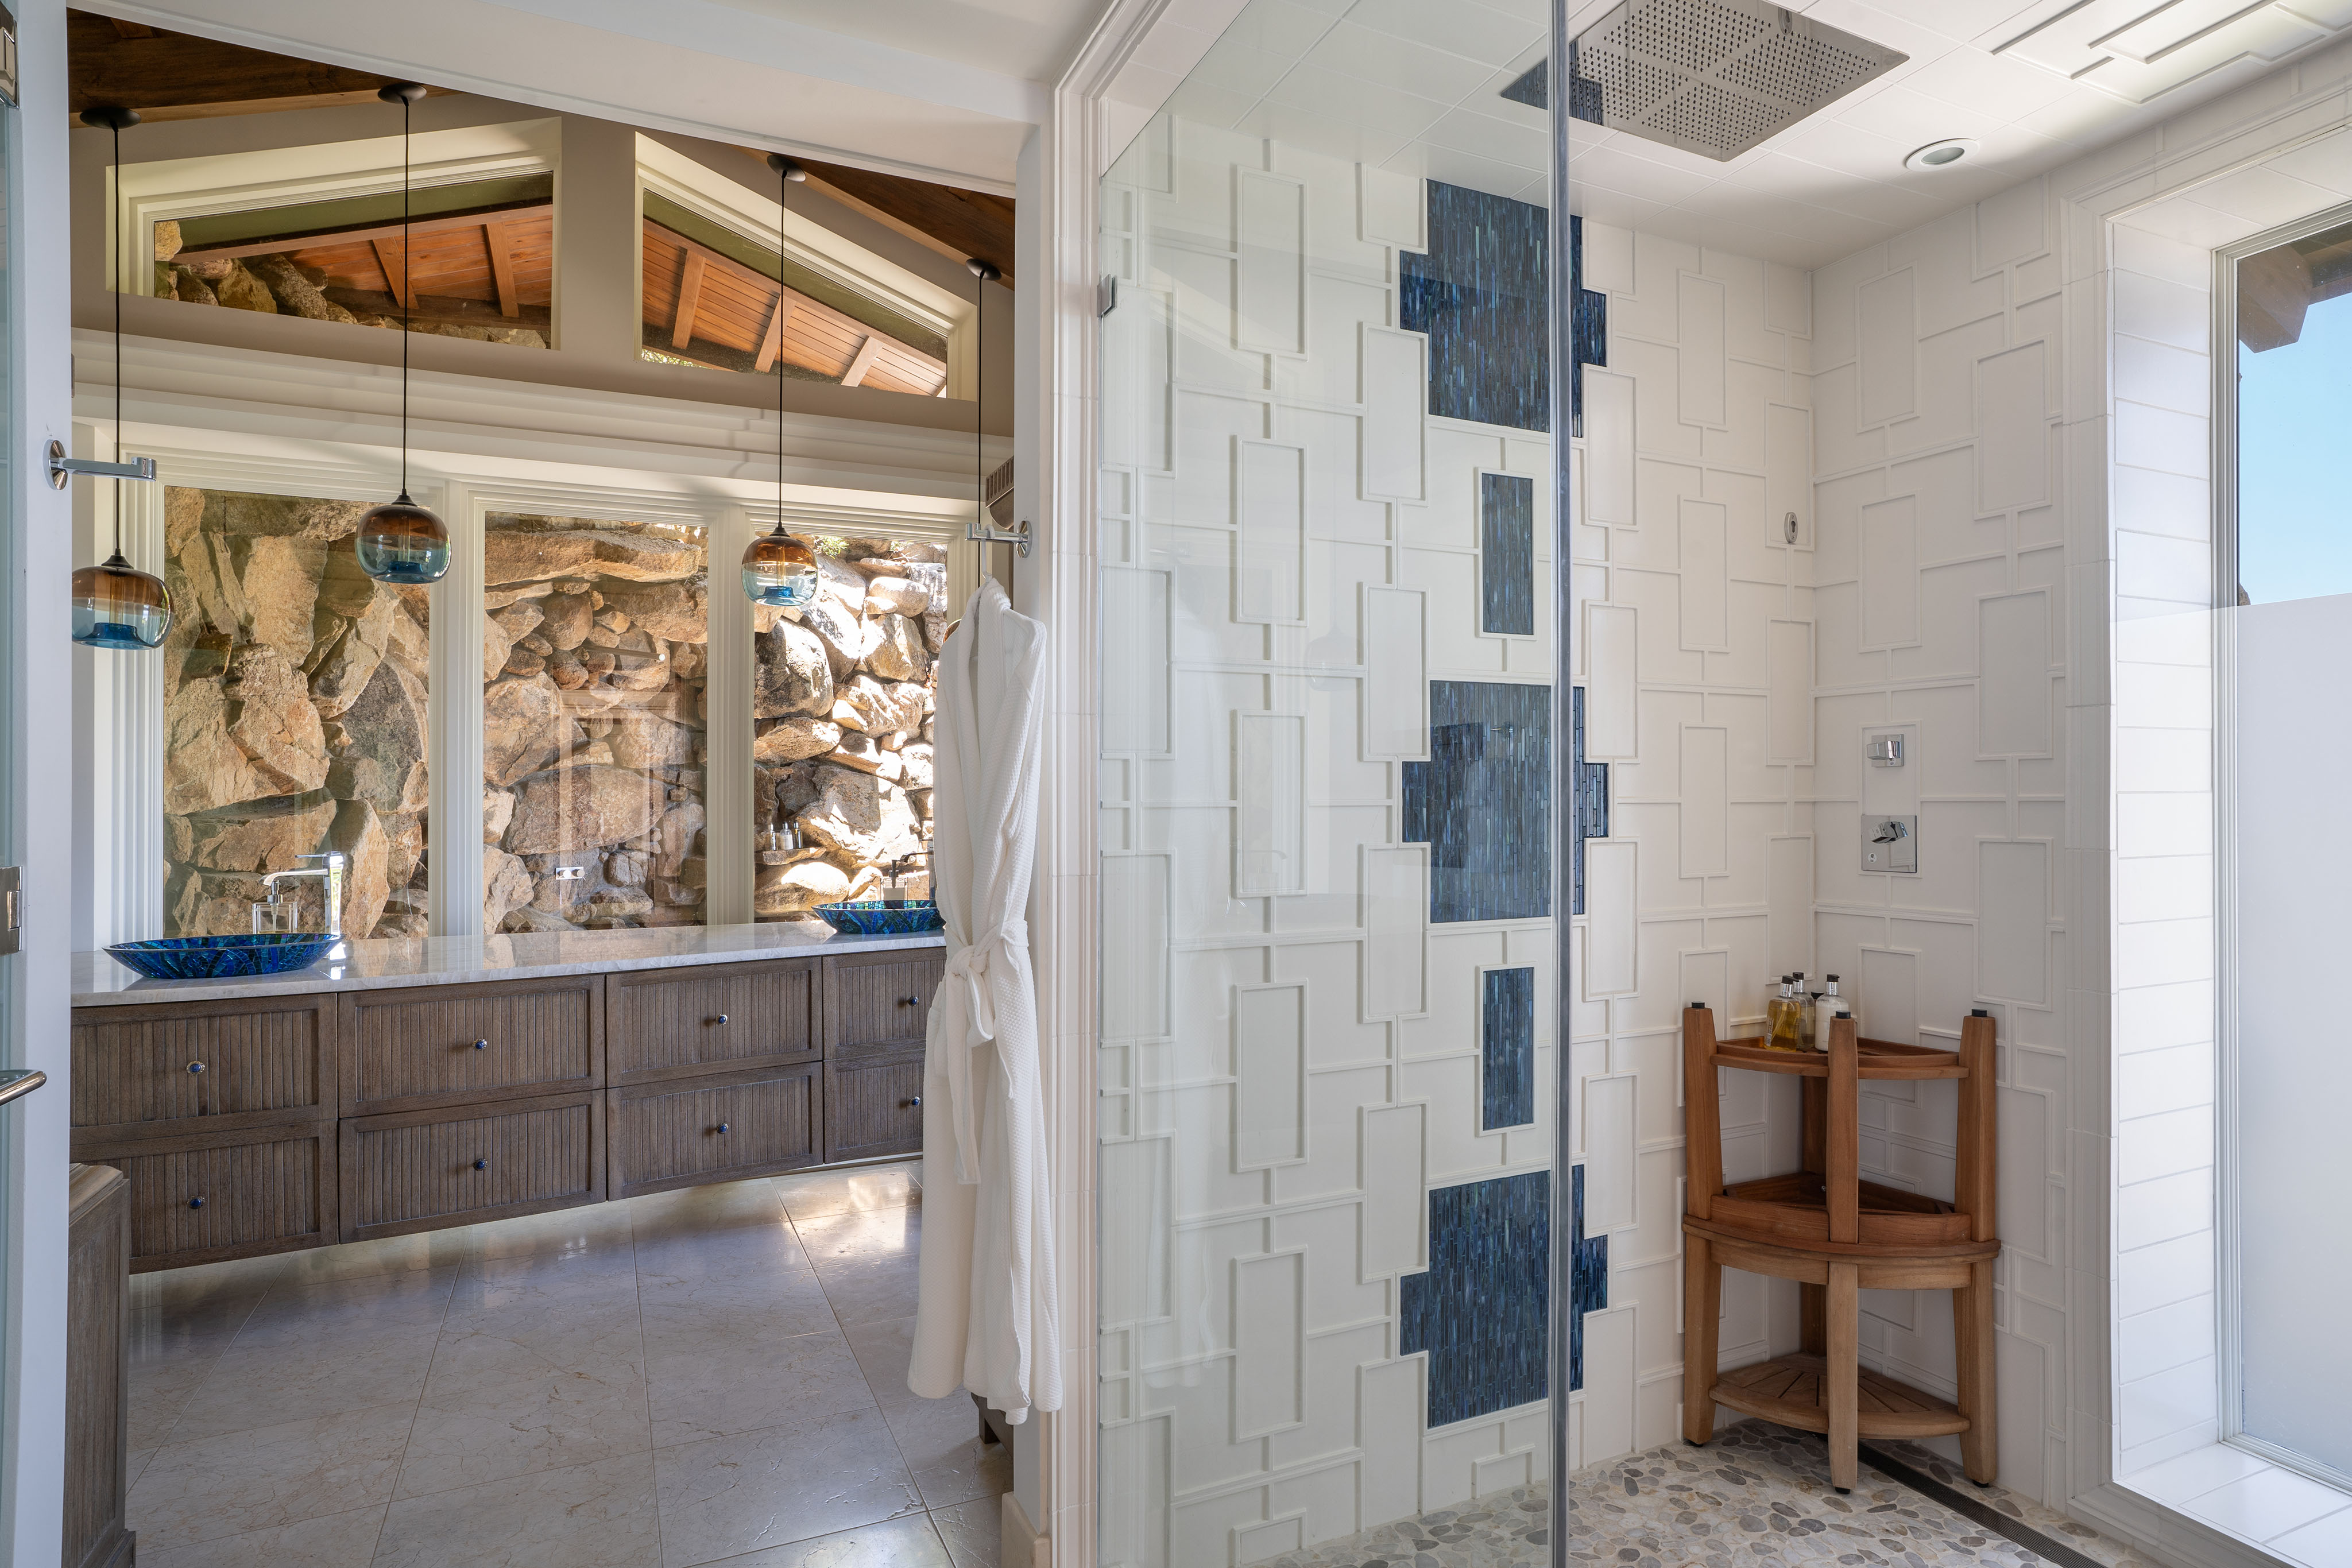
[1787, 1389]
[1873, 1058]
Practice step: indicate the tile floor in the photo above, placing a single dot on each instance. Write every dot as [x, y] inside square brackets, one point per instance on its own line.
[716, 1375]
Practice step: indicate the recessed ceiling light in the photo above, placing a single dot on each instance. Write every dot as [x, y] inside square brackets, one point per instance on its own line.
[1942, 154]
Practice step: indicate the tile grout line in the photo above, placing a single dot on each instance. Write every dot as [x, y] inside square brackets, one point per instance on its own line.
[440, 1332]
[646, 1387]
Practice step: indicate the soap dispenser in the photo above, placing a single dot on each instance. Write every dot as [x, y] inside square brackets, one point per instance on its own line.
[1827, 1006]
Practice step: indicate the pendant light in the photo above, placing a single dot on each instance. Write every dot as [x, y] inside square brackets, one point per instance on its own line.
[400, 541]
[116, 605]
[777, 568]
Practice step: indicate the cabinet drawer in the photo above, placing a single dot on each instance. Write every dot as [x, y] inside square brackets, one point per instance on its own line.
[225, 1195]
[151, 1072]
[720, 1127]
[880, 1002]
[669, 1022]
[462, 1044]
[874, 1108]
[422, 1170]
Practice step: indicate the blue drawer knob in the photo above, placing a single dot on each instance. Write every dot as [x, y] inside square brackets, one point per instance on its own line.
[195, 1203]
[481, 1164]
[195, 1067]
[481, 1045]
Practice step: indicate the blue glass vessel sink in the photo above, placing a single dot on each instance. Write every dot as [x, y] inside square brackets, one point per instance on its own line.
[222, 958]
[871, 917]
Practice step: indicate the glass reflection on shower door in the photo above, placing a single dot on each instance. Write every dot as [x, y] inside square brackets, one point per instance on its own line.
[1327, 766]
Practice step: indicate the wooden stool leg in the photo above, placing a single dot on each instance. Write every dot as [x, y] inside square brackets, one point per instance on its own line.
[1841, 1378]
[1702, 1317]
[1812, 1334]
[1972, 1341]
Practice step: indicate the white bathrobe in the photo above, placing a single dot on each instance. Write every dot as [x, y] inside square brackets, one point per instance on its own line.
[986, 1319]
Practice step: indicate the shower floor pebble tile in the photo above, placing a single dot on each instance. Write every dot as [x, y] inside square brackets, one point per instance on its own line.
[1757, 1497]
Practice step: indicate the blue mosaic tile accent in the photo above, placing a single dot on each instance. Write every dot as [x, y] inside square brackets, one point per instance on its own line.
[1588, 1277]
[1483, 801]
[1506, 1049]
[1507, 554]
[1588, 811]
[1481, 1310]
[1479, 293]
[1588, 326]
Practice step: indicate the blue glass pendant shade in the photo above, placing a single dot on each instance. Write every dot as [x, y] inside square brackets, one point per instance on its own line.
[115, 605]
[780, 569]
[402, 542]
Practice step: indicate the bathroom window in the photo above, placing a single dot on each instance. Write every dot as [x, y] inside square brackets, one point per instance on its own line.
[2285, 654]
[295, 697]
[593, 668]
[841, 699]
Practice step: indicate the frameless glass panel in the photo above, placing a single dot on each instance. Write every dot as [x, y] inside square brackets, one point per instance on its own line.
[2287, 651]
[592, 723]
[842, 698]
[295, 697]
[1327, 779]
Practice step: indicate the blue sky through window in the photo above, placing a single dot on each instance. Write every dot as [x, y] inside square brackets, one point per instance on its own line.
[2294, 462]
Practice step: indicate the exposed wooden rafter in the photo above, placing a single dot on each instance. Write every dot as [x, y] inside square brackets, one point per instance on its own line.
[175, 76]
[953, 223]
[399, 278]
[500, 241]
[867, 352]
[778, 319]
[689, 299]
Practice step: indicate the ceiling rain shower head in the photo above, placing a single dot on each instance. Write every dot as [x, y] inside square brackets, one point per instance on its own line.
[1714, 77]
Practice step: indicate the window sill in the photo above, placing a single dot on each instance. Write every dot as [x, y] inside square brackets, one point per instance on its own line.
[2283, 1514]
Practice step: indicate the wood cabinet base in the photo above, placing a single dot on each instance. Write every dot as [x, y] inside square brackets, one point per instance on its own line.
[98, 1368]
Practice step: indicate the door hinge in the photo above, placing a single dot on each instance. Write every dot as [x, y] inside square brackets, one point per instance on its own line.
[12, 912]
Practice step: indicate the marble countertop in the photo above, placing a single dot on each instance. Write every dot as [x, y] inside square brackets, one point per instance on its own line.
[99, 981]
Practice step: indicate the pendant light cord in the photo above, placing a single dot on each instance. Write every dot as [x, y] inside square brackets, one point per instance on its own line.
[783, 189]
[408, 273]
[121, 269]
[978, 385]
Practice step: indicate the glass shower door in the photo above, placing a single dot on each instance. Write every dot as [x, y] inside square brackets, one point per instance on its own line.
[1329, 883]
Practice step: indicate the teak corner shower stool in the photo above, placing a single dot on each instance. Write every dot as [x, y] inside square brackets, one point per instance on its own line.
[1837, 1235]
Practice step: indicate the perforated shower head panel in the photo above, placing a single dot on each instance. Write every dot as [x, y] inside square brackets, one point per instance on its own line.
[1715, 77]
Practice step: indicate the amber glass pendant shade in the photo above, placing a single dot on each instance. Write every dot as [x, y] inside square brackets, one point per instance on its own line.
[116, 605]
[402, 542]
[780, 569]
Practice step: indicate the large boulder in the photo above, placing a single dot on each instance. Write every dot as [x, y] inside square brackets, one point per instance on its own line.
[676, 838]
[296, 295]
[674, 612]
[898, 653]
[255, 517]
[408, 641]
[569, 619]
[523, 727]
[270, 835]
[404, 834]
[785, 890]
[498, 811]
[642, 741]
[203, 769]
[846, 637]
[883, 707]
[641, 663]
[793, 675]
[847, 816]
[503, 628]
[582, 808]
[506, 886]
[382, 757]
[793, 739]
[916, 757]
[897, 596]
[512, 555]
[244, 291]
[280, 580]
[353, 653]
[359, 833]
[274, 722]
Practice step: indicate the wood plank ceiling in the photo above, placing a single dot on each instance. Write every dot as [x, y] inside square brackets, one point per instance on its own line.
[490, 268]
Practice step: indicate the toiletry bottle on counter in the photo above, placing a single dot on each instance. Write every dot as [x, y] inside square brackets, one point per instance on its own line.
[1828, 1006]
[1803, 995]
[1787, 1022]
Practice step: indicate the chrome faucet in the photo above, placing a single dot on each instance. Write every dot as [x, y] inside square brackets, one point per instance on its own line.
[332, 872]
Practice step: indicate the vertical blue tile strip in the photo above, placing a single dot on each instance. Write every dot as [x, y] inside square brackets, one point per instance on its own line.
[1588, 327]
[1588, 1278]
[1479, 293]
[1483, 801]
[1589, 799]
[1482, 1309]
[1507, 1049]
[1507, 554]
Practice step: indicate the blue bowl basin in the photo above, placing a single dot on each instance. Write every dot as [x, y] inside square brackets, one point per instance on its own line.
[222, 958]
[871, 917]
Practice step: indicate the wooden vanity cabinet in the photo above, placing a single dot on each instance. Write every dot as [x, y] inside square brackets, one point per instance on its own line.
[263, 1125]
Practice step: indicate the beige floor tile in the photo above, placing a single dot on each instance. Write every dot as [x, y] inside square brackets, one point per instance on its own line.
[335, 1540]
[389, 1255]
[469, 1431]
[597, 1515]
[161, 1329]
[597, 1334]
[589, 1228]
[245, 1278]
[783, 1303]
[870, 1289]
[862, 1234]
[722, 1377]
[752, 1491]
[269, 1476]
[135, 1465]
[939, 1439]
[883, 1350]
[975, 1529]
[341, 1311]
[767, 1248]
[261, 1386]
[703, 1209]
[161, 1389]
[911, 1541]
[810, 1194]
[547, 1279]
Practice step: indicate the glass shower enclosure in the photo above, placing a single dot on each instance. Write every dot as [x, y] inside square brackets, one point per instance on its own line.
[1336, 745]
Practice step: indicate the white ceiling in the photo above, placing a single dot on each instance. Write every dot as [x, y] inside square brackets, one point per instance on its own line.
[1030, 40]
[1413, 85]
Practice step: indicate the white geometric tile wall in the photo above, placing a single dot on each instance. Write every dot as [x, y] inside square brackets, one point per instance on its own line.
[1291, 1057]
[1696, 660]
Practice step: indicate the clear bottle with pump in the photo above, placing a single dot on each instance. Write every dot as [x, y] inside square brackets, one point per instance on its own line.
[1803, 995]
[1827, 1006]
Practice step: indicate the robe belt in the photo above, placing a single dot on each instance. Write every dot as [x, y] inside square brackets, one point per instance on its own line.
[974, 965]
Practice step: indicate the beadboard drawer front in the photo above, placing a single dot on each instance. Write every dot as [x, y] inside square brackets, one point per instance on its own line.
[425, 1170]
[874, 1107]
[214, 1196]
[880, 1003]
[185, 1067]
[412, 1050]
[721, 1127]
[667, 1023]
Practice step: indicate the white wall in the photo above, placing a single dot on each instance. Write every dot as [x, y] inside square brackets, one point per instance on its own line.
[1698, 624]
